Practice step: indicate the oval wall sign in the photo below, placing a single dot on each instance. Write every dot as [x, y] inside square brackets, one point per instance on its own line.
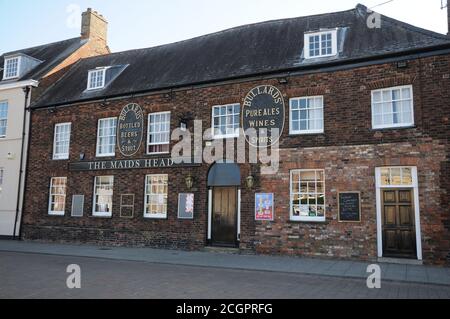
[263, 108]
[130, 129]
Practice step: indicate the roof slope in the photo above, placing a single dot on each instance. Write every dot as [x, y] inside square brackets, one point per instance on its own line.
[242, 51]
[51, 55]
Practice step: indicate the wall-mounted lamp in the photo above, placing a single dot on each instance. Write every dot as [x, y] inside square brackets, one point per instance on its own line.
[189, 181]
[82, 156]
[250, 181]
[283, 80]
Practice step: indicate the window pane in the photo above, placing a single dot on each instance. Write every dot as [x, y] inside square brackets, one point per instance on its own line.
[106, 139]
[57, 195]
[156, 196]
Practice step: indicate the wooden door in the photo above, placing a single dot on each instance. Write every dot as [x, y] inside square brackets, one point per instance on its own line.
[224, 216]
[399, 234]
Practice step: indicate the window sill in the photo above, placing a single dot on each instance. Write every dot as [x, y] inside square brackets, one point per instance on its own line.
[225, 137]
[105, 156]
[305, 221]
[56, 214]
[101, 216]
[157, 153]
[391, 128]
[60, 159]
[307, 133]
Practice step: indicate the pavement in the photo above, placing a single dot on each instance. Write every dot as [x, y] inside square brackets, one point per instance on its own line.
[45, 276]
[418, 274]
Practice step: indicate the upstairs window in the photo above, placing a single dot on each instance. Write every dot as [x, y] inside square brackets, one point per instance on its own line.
[96, 79]
[392, 107]
[61, 141]
[158, 133]
[226, 120]
[306, 115]
[11, 68]
[3, 118]
[106, 137]
[320, 44]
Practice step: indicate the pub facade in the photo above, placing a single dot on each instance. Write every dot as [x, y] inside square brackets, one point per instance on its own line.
[357, 158]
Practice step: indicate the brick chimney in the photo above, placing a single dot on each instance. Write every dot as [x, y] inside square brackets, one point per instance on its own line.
[94, 26]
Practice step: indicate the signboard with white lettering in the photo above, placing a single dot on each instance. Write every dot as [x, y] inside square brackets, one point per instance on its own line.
[130, 129]
[264, 111]
[128, 164]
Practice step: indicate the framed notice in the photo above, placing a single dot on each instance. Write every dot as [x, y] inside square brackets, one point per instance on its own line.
[127, 205]
[264, 209]
[186, 206]
[349, 207]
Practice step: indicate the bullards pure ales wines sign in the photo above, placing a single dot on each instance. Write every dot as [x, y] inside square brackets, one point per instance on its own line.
[130, 129]
[263, 108]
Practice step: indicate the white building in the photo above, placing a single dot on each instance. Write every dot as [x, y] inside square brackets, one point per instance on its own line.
[24, 75]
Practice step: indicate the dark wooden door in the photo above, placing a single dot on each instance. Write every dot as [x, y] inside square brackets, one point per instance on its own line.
[224, 216]
[399, 234]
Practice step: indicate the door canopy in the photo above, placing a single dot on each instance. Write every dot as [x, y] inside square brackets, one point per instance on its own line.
[224, 174]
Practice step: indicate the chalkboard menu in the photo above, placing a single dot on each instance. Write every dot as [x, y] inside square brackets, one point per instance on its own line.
[349, 207]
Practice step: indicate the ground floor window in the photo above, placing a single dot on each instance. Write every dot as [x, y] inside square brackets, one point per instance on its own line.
[156, 187]
[57, 198]
[103, 196]
[307, 195]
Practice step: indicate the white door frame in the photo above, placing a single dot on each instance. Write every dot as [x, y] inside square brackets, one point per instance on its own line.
[415, 187]
[210, 196]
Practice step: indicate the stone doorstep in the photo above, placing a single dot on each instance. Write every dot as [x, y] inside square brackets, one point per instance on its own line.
[400, 261]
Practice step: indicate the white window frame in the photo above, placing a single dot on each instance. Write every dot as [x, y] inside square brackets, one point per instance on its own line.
[5, 118]
[398, 125]
[62, 156]
[300, 131]
[155, 216]
[148, 134]
[98, 148]
[225, 136]
[334, 49]
[97, 71]
[5, 69]
[306, 218]
[94, 199]
[57, 213]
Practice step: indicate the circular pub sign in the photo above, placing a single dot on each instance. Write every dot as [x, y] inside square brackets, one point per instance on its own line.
[264, 111]
[130, 129]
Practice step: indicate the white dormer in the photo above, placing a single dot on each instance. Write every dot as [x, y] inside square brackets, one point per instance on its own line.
[96, 79]
[321, 44]
[18, 65]
[11, 69]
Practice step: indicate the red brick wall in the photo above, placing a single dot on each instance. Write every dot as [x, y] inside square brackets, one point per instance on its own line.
[349, 151]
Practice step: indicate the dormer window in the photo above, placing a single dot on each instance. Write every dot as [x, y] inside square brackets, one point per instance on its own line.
[11, 68]
[96, 79]
[320, 44]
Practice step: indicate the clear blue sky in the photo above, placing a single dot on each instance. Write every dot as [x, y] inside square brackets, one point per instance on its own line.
[145, 23]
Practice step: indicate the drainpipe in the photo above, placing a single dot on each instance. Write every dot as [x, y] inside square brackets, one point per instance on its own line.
[27, 91]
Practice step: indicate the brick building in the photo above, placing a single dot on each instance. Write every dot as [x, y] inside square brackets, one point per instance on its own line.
[364, 148]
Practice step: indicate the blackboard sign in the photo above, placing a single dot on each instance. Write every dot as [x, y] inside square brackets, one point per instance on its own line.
[349, 207]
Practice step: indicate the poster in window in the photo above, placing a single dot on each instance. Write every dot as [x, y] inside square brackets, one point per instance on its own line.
[264, 209]
[186, 206]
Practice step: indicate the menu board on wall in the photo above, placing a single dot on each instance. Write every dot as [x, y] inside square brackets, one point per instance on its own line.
[349, 206]
[186, 206]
